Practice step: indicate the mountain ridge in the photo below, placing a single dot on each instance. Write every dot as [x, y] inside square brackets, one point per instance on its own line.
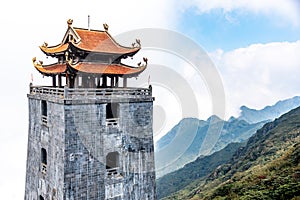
[267, 167]
[234, 130]
[269, 112]
[200, 132]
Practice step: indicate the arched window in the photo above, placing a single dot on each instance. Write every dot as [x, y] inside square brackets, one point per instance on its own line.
[43, 161]
[44, 108]
[44, 112]
[112, 114]
[112, 160]
[44, 156]
[112, 110]
[41, 197]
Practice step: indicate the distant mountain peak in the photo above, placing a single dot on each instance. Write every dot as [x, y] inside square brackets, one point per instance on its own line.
[214, 119]
[268, 113]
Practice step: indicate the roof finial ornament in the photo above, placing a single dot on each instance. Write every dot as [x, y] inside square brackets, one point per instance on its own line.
[70, 22]
[145, 60]
[45, 45]
[105, 26]
[138, 41]
[143, 65]
[37, 64]
[89, 22]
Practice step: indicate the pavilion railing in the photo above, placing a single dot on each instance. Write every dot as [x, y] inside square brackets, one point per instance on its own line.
[69, 93]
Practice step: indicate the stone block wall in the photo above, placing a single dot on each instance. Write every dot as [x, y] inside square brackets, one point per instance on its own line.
[78, 142]
[46, 182]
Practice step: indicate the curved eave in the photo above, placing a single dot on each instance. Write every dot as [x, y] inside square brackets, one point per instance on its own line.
[51, 70]
[54, 50]
[104, 69]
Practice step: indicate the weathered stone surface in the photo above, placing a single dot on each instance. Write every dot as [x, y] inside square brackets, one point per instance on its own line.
[78, 142]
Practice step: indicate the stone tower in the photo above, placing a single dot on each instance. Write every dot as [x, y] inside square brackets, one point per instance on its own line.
[90, 136]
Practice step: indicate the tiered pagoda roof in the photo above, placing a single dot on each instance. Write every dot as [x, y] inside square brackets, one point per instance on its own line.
[90, 41]
[89, 52]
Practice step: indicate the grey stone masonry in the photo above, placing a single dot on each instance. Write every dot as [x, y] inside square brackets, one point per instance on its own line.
[90, 144]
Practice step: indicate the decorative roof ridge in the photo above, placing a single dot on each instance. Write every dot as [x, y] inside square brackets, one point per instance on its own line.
[86, 29]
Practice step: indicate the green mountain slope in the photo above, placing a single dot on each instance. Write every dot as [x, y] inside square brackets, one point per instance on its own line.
[266, 168]
[202, 166]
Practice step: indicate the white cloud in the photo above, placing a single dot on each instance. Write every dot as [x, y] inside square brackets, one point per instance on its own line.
[259, 74]
[284, 9]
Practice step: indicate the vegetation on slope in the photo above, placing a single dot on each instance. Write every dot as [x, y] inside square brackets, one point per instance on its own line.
[266, 168]
[203, 166]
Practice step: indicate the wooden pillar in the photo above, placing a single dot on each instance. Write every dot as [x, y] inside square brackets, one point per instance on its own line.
[104, 81]
[95, 81]
[117, 81]
[54, 81]
[124, 82]
[76, 82]
[98, 82]
[71, 80]
[59, 80]
[84, 81]
[112, 81]
[67, 80]
[89, 82]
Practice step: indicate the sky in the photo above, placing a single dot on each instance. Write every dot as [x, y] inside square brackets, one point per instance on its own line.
[254, 46]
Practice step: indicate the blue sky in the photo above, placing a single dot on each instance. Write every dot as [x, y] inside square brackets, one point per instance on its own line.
[235, 29]
[255, 46]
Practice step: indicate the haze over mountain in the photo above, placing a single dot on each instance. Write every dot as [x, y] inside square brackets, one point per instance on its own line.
[269, 112]
[267, 167]
[185, 141]
[170, 157]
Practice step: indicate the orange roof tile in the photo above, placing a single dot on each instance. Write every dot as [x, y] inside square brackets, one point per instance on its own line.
[101, 41]
[52, 69]
[91, 68]
[113, 69]
[93, 41]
